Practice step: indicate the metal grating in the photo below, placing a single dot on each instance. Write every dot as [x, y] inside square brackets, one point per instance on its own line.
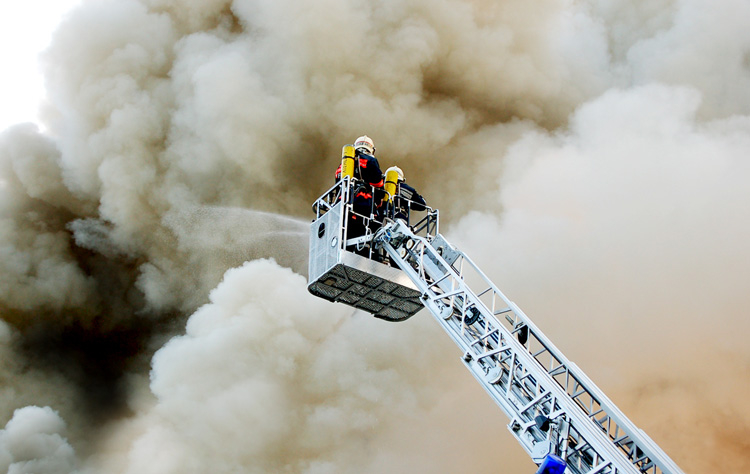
[383, 298]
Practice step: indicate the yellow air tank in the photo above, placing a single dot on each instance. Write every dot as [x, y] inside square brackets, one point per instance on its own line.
[347, 161]
[392, 176]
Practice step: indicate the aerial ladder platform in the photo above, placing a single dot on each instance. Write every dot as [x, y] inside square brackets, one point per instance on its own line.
[397, 267]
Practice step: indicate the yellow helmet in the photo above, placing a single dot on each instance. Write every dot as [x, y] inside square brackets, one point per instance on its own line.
[365, 142]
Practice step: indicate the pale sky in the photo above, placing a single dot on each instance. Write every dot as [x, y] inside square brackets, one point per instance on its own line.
[26, 27]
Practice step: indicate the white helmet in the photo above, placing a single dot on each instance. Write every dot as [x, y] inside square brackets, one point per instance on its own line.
[365, 142]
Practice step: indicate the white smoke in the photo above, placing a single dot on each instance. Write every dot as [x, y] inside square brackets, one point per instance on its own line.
[268, 378]
[590, 156]
[630, 224]
[33, 441]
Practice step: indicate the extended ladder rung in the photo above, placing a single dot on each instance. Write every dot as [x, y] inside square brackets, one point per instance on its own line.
[535, 401]
[484, 336]
[599, 468]
[484, 292]
[621, 440]
[579, 448]
[579, 392]
[535, 354]
[449, 294]
[440, 280]
[560, 369]
[493, 352]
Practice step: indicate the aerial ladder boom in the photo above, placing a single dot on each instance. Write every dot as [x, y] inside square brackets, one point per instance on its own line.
[559, 416]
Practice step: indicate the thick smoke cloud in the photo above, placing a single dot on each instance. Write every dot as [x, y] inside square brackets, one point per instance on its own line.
[33, 441]
[268, 379]
[591, 156]
[628, 223]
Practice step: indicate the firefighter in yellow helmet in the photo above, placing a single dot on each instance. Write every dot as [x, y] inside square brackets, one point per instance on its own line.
[405, 198]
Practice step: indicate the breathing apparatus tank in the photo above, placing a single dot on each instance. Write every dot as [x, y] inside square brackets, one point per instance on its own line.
[391, 183]
[347, 161]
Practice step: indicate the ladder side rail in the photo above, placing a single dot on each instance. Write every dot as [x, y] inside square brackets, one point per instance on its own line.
[642, 441]
[594, 402]
[519, 390]
[558, 365]
[616, 421]
[340, 191]
[528, 394]
[428, 225]
[601, 446]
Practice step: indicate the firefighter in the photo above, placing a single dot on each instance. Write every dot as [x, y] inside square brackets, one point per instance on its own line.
[406, 198]
[368, 186]
[367, 197]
